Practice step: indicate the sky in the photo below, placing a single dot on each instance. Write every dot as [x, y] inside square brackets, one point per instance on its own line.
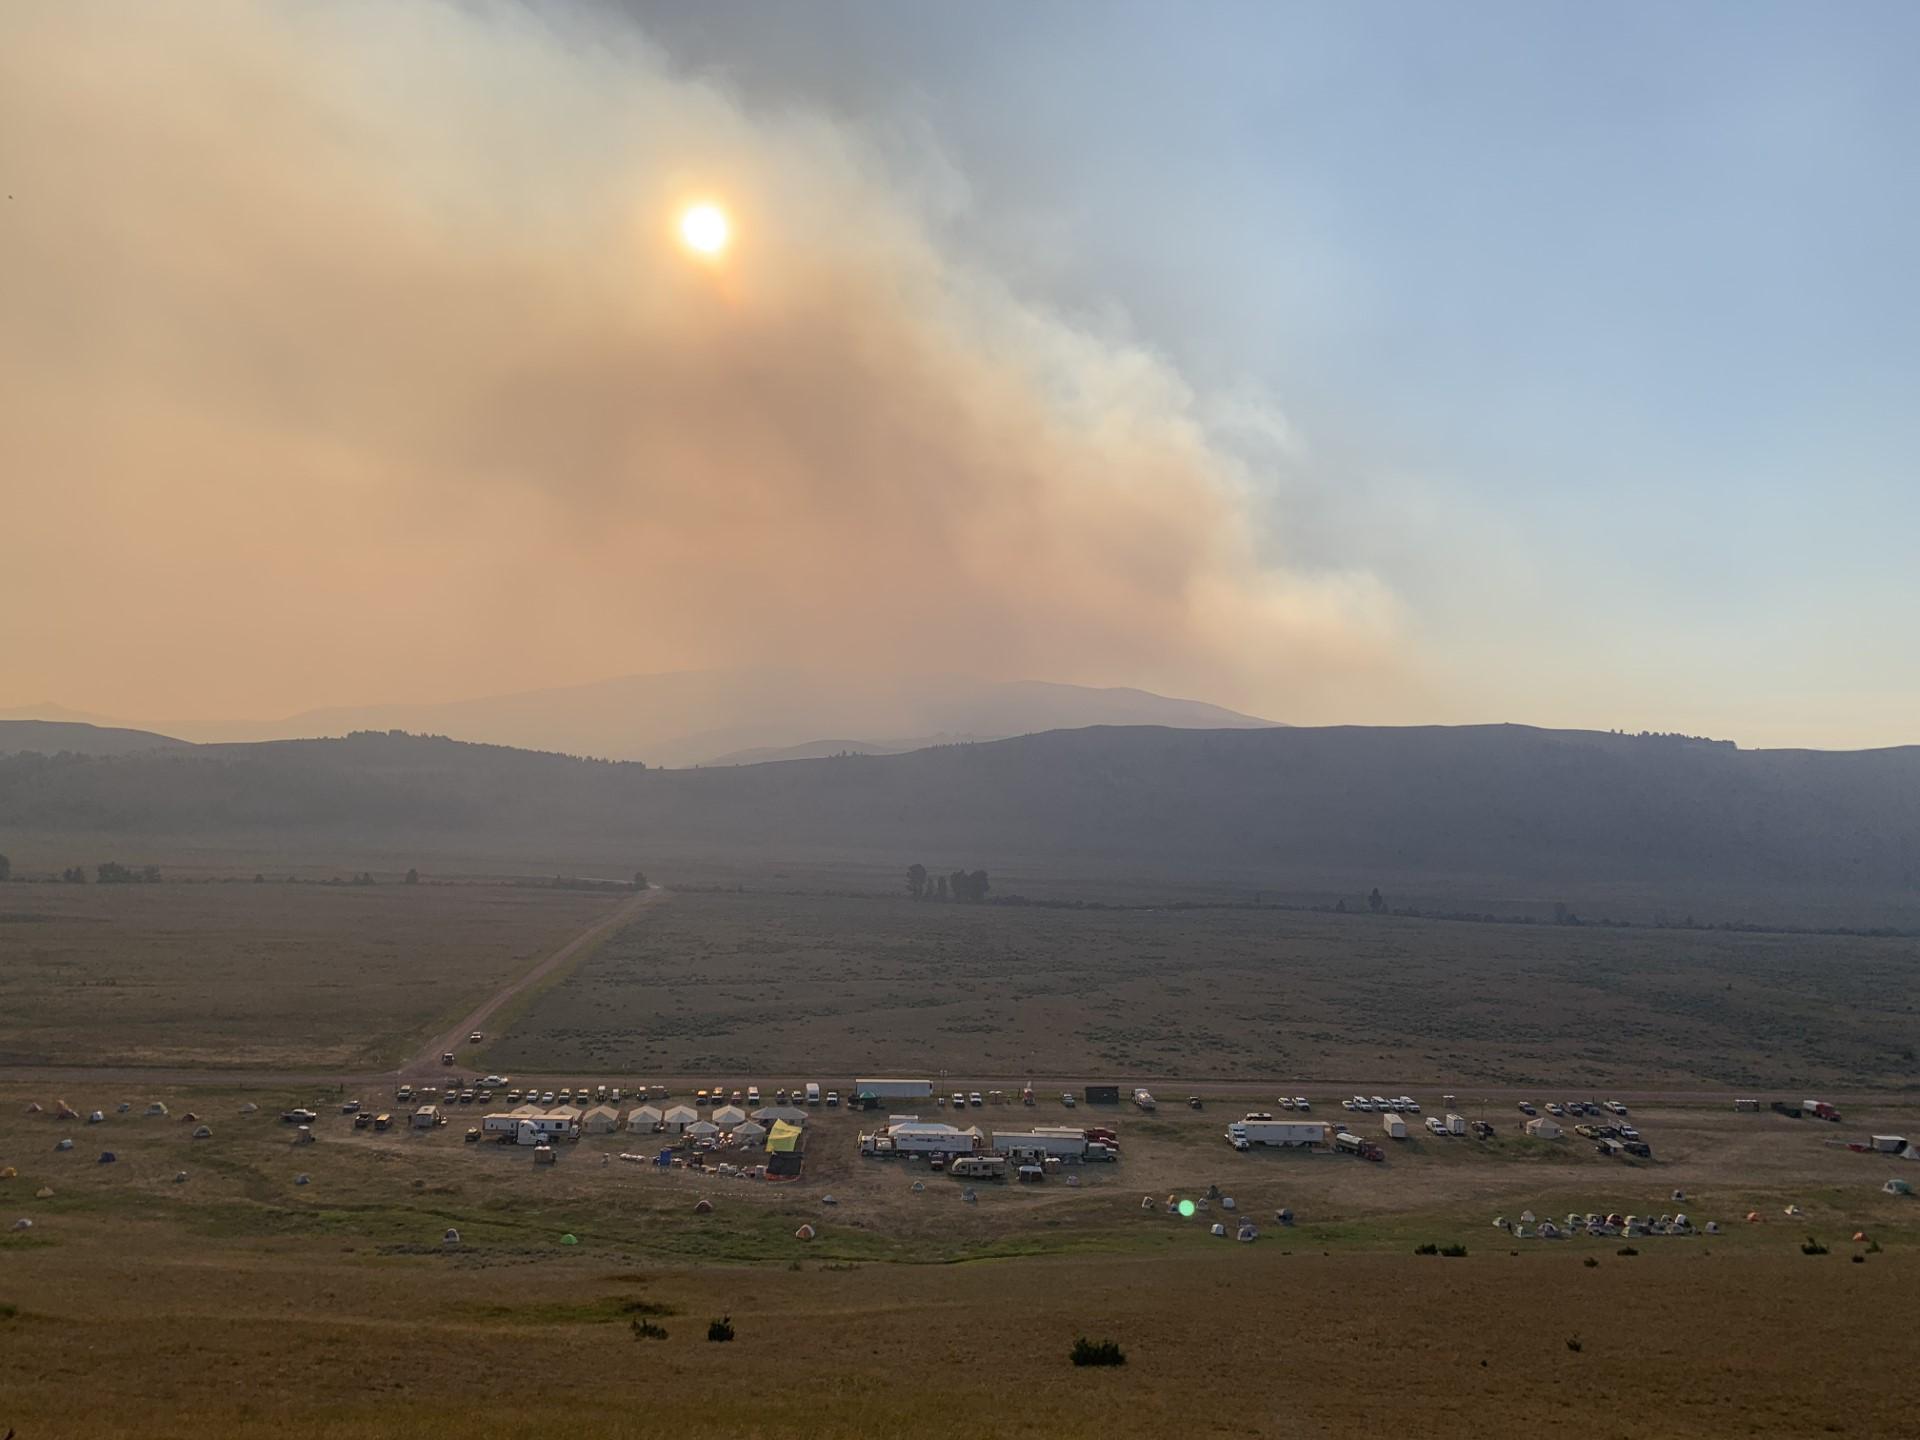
[1388, 364]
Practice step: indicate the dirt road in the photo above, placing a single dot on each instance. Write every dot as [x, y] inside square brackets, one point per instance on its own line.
[426, 1061]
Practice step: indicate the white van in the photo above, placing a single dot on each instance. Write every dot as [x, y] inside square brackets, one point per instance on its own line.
[813, 1092]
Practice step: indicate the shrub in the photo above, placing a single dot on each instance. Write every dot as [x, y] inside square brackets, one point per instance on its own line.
[720, 1331]
[1859, 1259]
[1085, 1352]
[1591, 1263]
[1453, 1252]
[1428, 1249]
[1813, 1247]
[1573, 1344]
[1626, 1250]
[647, 1330]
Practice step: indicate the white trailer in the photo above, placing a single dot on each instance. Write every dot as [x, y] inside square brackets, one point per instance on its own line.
[979, 1167]
[1038, 1144]
[1890, 1144]
[933, 1137]
[1456, 1124]
[426, 1117]
[885, 1089]
[1395, 1127]
[500, 1124]
[1276, 1132]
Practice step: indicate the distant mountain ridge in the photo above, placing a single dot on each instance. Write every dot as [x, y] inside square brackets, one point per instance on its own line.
[52, 737]
[704, 717]
[1483, 810]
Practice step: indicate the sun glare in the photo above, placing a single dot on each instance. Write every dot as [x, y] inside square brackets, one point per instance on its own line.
[704, 228]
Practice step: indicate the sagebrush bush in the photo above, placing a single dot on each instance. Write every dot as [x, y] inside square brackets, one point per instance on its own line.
[1107, 1352]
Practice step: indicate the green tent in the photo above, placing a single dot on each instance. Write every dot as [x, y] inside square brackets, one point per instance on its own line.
[783, 1137]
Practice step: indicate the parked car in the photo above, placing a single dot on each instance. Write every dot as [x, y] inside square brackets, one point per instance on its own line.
[1526, 1108]
[974, 1098]
[1066, 1099]
[547, 1099]
[959, 1100]
[474, 1038]
[833, 1097]
[1300, 1103]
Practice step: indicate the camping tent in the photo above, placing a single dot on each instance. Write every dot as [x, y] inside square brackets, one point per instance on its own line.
[601, 1120]
[679, 1117]
[643, 1117]
[158, 1107]
[1897, 1186]
[728, 1116]
[751, 1133]
[783, 1137]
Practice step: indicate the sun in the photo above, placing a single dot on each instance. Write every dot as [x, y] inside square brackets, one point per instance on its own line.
[705, 230]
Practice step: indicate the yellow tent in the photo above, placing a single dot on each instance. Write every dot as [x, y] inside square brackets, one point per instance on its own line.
[783, 1136]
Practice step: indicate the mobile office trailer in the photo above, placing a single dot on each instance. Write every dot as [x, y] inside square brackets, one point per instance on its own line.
[1394, 1126]
[500, 1124]
[884, 1089]
[1306, 1133]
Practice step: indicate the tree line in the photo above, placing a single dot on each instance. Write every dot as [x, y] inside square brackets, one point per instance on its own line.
[960, 885]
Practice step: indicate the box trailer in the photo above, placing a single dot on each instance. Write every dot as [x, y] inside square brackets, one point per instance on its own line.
[1744, 1104]
[1456, 1124]
[1244, 1134]
[933, 1138]
[1038, 1144]
[500, 1124]
[1394, 1126]
[881, 1088]
[1890, 1144]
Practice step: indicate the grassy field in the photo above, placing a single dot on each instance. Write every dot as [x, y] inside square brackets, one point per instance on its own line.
[267, 976]
[802, 985]
[237, 1301]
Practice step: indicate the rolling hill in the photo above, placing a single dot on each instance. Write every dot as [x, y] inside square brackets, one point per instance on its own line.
[1480, 815]
[705, 717]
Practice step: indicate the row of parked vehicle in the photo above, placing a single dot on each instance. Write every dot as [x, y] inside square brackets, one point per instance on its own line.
[1576, 1107]
[1394, 1104]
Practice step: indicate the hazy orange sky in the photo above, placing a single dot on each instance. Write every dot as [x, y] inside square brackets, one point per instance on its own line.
[347, 354]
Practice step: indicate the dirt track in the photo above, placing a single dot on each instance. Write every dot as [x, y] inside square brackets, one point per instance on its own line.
[427, 1061]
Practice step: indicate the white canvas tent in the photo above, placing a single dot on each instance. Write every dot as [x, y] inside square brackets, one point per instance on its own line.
[727, 1116]
[600, 1120]
[1545, 1127]
[643, 1117]
[751, 1132]
[679, 1117]
[792, 1114]
[702, 1129]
